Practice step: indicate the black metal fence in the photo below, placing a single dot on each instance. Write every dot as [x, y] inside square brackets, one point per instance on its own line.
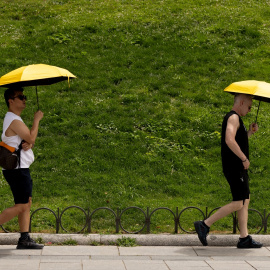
[177, 217]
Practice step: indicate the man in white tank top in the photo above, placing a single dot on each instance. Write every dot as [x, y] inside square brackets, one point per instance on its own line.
[19, 179]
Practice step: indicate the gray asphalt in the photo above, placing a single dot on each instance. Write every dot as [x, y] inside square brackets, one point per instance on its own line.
[161, 252]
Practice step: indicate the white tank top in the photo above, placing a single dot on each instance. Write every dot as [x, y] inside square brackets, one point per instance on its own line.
[27, 157]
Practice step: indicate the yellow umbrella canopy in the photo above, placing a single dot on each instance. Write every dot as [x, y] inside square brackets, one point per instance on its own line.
[258, 89]
[34, 75]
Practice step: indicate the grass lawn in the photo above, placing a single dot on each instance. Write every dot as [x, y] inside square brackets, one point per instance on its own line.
[140, 126]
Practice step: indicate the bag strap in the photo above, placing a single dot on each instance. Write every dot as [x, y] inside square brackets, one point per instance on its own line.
[10, 148]
[20, 146]
[19, 153]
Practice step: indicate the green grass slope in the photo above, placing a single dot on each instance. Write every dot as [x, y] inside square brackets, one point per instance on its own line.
[141, 123]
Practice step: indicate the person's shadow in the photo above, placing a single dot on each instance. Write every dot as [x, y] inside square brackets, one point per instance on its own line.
[6, 251]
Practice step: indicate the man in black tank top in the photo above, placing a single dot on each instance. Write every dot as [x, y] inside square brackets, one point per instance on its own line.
[235, 163]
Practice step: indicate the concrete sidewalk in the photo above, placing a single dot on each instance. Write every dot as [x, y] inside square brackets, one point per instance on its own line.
[133, 258]
[141, 239]
[157, 252]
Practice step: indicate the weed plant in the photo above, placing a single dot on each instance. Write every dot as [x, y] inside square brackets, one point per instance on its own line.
[141, 123]
[126, 242]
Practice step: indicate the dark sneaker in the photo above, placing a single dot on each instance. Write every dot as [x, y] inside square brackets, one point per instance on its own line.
[248, 242]
[202, 231]
[28, 243]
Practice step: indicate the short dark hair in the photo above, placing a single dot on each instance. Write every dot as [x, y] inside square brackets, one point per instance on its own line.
[11, 92]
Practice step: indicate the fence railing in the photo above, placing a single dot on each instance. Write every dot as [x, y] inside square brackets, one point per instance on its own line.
[177, 217]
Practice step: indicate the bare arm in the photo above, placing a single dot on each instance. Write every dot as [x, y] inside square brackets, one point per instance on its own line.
[232, 127]
[19, 128]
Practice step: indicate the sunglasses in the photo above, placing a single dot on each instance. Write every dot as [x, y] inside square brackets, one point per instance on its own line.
[21, 97]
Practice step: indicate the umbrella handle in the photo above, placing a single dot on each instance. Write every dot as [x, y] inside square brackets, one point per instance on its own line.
[257, 115]
[257, 112]
[37, 98]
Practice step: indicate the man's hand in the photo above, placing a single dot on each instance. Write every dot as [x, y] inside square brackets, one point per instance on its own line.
[246, 164]
[38, 116]
[252, 129]
[26, 146]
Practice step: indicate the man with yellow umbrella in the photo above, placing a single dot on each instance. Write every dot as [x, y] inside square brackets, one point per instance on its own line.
[16, 133]
[235, 160]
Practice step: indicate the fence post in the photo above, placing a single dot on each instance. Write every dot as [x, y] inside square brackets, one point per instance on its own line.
[117, 220]
[88, 221]
[147, 221]
[58, 221]
[176, 221]
[264, 221]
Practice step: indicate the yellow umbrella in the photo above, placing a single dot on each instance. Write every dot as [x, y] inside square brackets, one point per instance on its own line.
[258, 89]
[34, 75]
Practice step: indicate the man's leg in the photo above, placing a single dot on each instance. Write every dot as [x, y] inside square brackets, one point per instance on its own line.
[20, 183]
[25, 242]
[21, 186]
[11, 212]
[202, 227]
[223, 212]
[24, 217]
[242, 215]
[245, 240]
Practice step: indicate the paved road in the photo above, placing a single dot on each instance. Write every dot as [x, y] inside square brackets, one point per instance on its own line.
[84, 257]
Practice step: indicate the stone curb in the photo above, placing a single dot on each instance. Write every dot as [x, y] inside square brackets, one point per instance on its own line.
[141, 239]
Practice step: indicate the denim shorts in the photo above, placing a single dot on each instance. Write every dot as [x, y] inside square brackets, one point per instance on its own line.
[20, 183]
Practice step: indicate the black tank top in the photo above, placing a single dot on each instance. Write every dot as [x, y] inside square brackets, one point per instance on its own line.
[230, 162]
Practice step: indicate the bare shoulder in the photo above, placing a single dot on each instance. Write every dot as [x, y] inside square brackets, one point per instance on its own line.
[16, 128]
[16, 122]
[234, 120]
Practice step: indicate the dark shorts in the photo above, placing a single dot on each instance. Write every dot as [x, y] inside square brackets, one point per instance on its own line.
[20, 183]
[239, 184]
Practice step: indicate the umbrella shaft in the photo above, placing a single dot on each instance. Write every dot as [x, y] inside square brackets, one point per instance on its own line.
[258, 112]
[37, 98]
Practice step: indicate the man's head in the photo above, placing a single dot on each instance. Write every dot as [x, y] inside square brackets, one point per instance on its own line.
[242, 104]
[13, 93]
